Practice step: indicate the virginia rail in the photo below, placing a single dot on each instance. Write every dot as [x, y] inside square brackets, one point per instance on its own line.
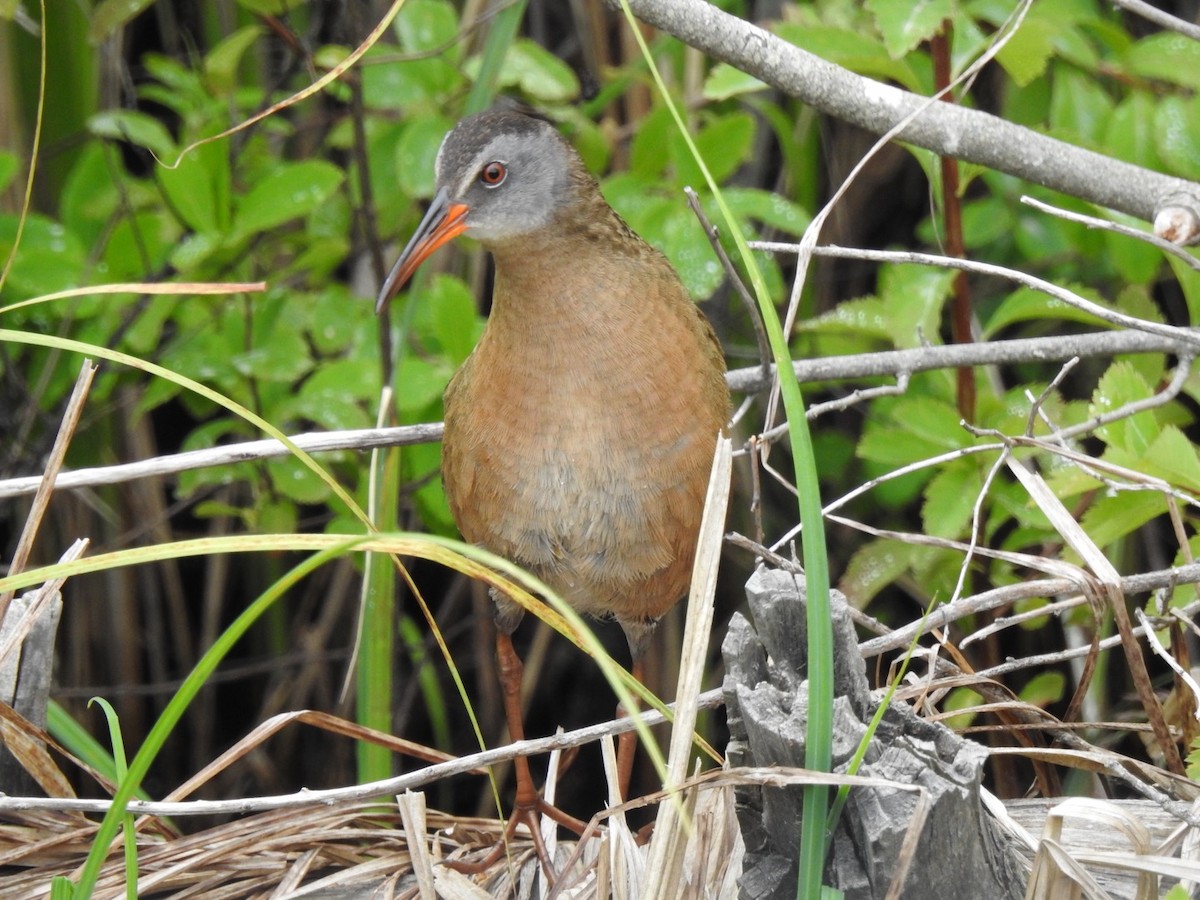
[580, 431]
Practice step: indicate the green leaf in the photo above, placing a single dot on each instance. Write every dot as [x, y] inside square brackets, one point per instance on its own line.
[913, 297]
[646, 157]
[1113, 517]
[136, 128]
[296, 481]
[1131, 134]
[724, 81]
[279, 354]
[138, 245]
[960, 698]
[934, 419]
[1167, 56]
[769, 208]
[112, 15]
[221, 64]
[335, 396]
[904, 24]
[866, 316]
[1136, 261]
[873, 567]
[9, 166]
[1079, 108]
[446, 313]
[854, 50]
[1189, 284]
[331, 327]
[1173, 457]
[539, 73]
[420, 465]
[194, 250]
[420, 383]
[192, 190]
[406, 84]
[1026, 304]
[1177, 126]
[427, 25]
[683, 241]
[267, 7]
[90, 196]
[416, 151]
[274, 517]
[950, 499]
[986, 220]
[1122, 384]
[50, 258]
[289, 192]
[1044, 689]
[723, 145]
[1028, 51]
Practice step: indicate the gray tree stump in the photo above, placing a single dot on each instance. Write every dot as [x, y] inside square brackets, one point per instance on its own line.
[25, 683]
[960, 853]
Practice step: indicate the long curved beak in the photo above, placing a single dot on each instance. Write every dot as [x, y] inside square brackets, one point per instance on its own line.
[443, 222]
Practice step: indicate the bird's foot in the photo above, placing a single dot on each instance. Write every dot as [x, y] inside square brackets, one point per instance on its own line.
[529, 815]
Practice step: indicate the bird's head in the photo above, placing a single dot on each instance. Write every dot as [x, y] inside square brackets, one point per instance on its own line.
[501, 176]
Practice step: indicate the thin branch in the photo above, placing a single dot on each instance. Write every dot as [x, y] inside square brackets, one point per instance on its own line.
[1159, 17]
[1161, 652]
[943, 616]
[735, 279]
[1186, 335]
[306, 798]
[1117, 228]
[890, 363]
[957, 131]
[46, 482]
[1166, 395]
[317, 442]
[886, 364]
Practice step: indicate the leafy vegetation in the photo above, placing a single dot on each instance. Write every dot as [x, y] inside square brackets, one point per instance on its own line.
[312, 198]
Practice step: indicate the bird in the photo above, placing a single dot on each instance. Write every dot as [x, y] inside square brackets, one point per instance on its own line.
[580, 431]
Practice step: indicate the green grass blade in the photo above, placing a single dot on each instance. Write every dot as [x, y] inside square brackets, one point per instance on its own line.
[377, 625]
[128, 832]
[819, 738]
[80, 743]
[175, 709]
[500, 37]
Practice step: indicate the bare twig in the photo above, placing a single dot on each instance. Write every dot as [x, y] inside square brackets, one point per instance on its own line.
[1161, 652]
[45, 484]
[359, 439]
[735, 279]
[1117, 228]
[891, 363]
[749, 380]
[307, 798]
[1184, 335]
[943, 616]
[1159, 17]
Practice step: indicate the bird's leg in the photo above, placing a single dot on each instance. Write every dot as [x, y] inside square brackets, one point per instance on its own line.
[627, 742]
[528, 801]
[528, 804]
[511, 675]
[638, 633]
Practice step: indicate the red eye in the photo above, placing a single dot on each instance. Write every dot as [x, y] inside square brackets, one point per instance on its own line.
[493, 174]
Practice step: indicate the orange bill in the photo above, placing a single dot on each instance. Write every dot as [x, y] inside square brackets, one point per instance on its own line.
[443, 222]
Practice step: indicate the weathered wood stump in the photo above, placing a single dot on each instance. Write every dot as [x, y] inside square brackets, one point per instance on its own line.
[960, 853]
[25, 686]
